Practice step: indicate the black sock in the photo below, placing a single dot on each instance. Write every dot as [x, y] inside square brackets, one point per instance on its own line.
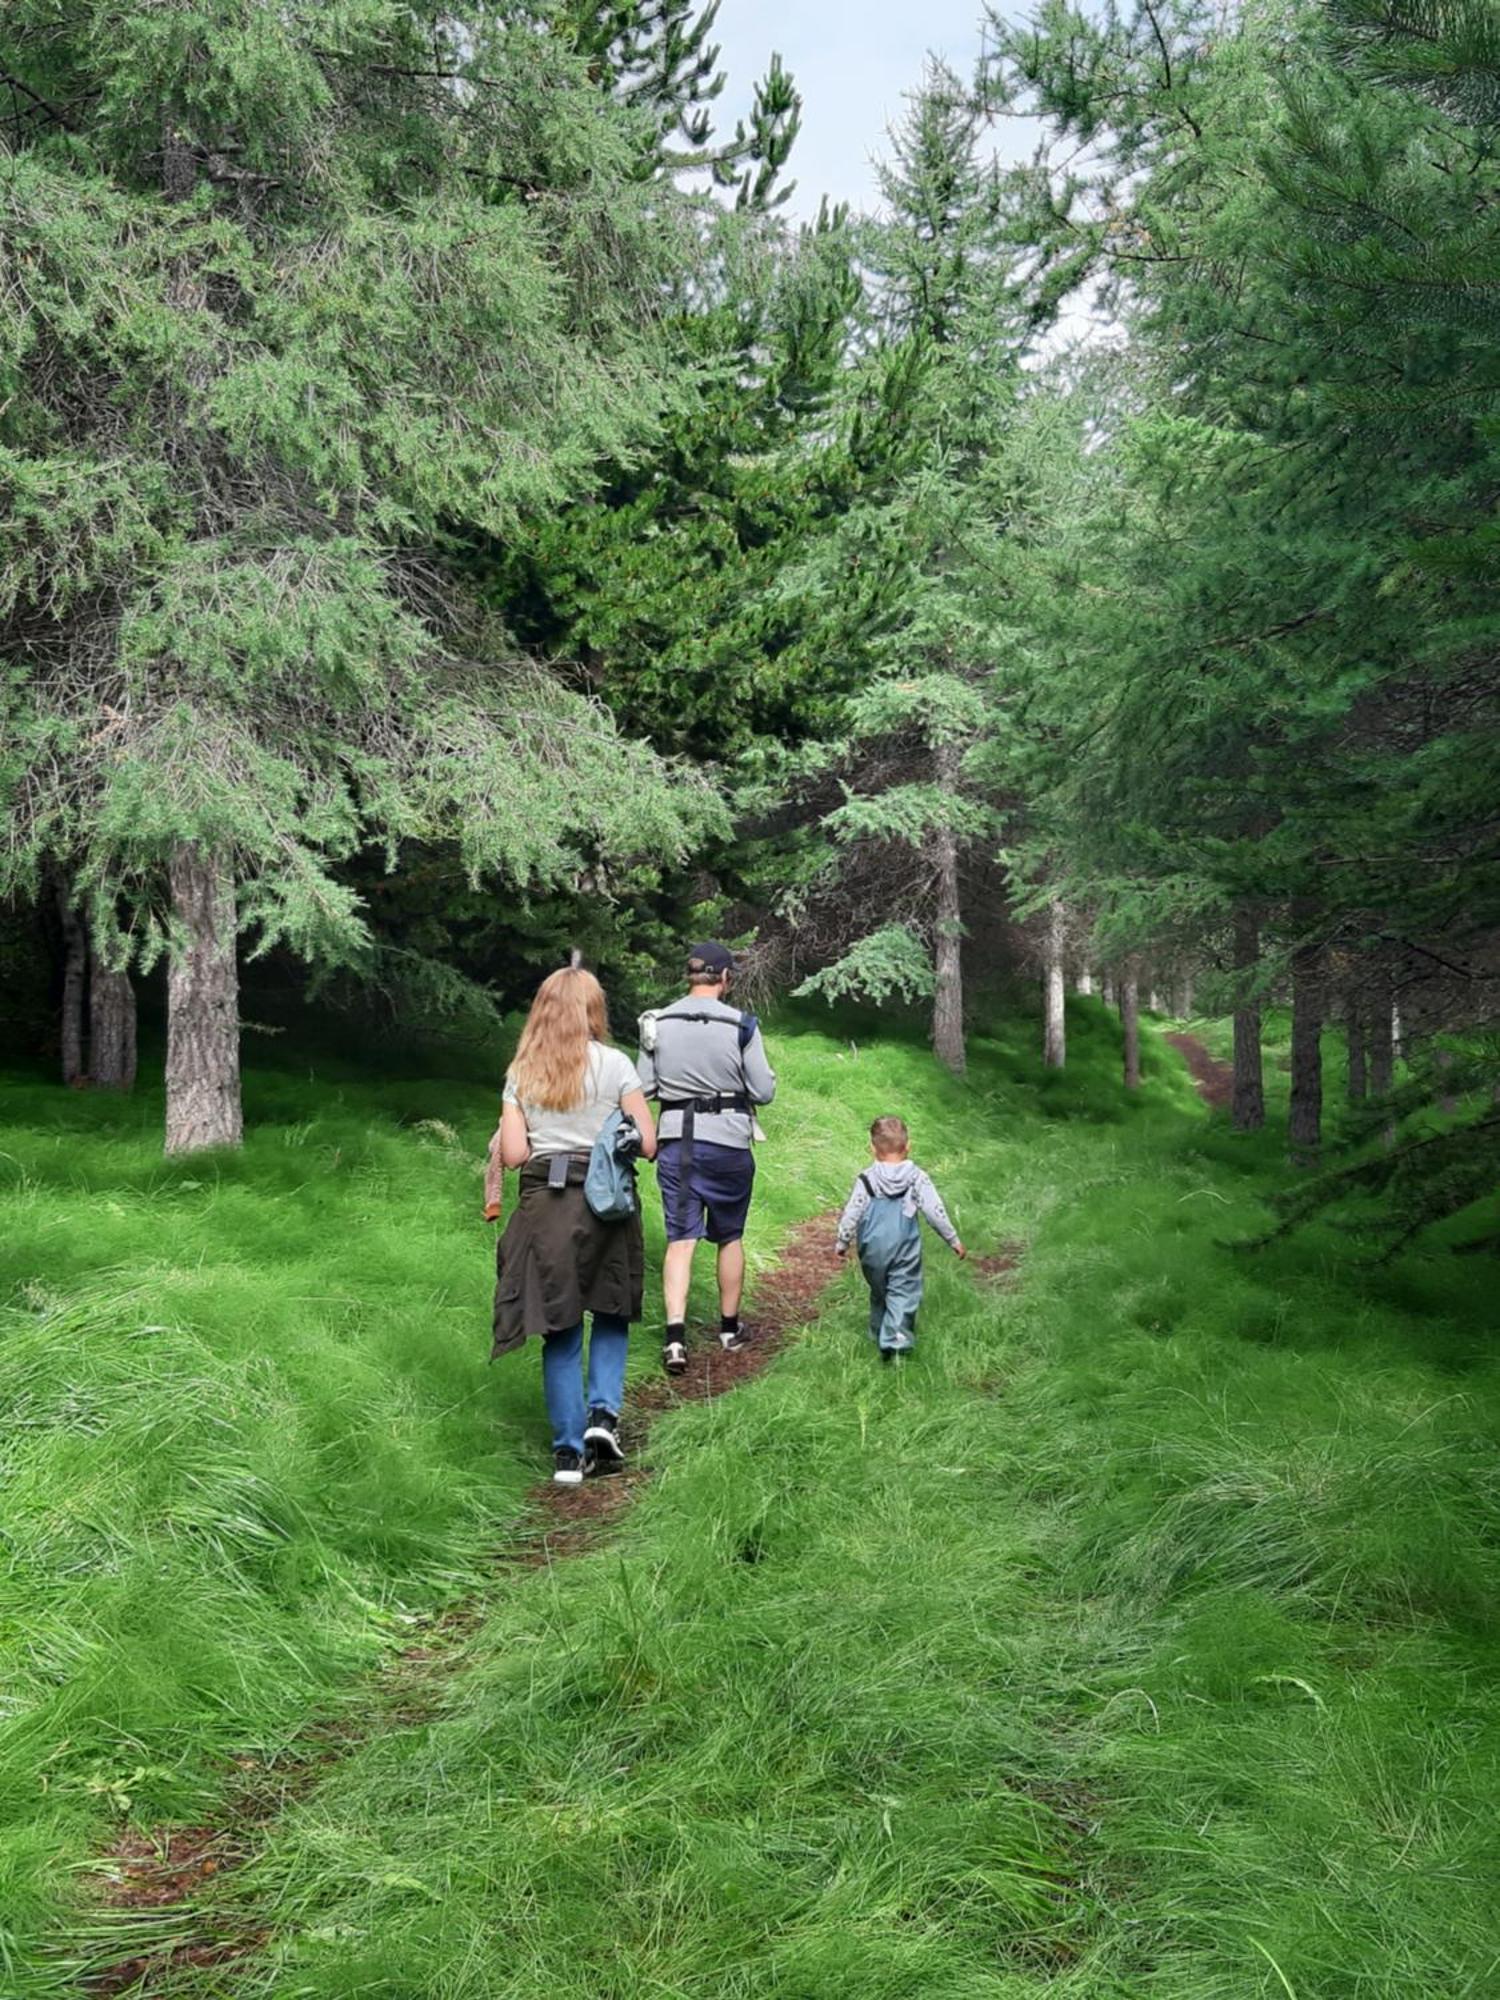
[677, 1331]
[729, 1322]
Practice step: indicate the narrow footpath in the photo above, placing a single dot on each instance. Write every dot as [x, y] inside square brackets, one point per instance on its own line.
[1213, 1076]
[154, 1902]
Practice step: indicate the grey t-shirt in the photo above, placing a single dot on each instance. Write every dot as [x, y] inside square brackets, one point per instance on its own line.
[610, 1076]
[704, 1059]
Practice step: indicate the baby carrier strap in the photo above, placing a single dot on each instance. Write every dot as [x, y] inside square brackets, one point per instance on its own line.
[745, 1026]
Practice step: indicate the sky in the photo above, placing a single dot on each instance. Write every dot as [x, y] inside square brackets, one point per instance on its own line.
[852, 61]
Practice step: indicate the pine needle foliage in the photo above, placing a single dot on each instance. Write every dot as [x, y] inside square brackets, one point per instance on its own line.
[289, 295]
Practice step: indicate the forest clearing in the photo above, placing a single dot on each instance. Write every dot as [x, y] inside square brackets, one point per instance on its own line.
[749, 1000]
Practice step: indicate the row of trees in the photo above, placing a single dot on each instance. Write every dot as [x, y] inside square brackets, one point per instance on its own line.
[1272, 672]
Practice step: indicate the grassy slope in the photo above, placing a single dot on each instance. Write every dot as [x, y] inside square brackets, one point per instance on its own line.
[1136, 1640]
[247, 1424]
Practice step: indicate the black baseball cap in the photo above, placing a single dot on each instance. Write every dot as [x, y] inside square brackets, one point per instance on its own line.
[710, 957]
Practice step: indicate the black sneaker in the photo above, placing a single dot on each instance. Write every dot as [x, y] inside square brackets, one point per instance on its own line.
[602, 1441]
[674, 1357]
[734, 1343]
[567, 1468]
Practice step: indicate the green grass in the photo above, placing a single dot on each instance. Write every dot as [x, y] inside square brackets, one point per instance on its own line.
[248, 1429]
[1137, 1639]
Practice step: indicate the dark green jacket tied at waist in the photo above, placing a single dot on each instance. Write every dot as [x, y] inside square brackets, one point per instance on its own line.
[557, 1261]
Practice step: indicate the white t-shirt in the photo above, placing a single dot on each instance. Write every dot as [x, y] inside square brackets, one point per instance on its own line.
[610, 1076]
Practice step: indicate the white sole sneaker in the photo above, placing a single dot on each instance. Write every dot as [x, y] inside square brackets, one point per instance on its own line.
[567, 1479]
[609, 1454]
[674, 1358]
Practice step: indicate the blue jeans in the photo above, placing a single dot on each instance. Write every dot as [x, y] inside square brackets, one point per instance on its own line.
[562, 1377]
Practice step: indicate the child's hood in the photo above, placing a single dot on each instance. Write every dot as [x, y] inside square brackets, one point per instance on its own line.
[892, 1177]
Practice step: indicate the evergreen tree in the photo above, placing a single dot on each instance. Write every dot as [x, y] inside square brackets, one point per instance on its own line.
[928, 528]
[291, 294]
[1287, 656]
[656, 56]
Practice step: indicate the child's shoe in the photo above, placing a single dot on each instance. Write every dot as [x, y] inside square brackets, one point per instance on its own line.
[567, 1468]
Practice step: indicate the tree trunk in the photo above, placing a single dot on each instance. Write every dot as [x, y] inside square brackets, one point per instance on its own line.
[1085, 984]
[203, 1024]
[1185, 997]
[1354, 1038]
[1305, 1126]
[1153, 1001]
[1249, 1111]
[1055, 1041]
[1107, 989]
[75, 976]
[111, 1027]
[1381, 1046]
[948, 993]
[1130, 1021]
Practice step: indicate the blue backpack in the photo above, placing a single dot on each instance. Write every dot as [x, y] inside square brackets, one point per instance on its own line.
[609, 1180]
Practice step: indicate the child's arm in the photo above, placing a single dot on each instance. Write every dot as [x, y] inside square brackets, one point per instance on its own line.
[930, 1202]
[854, 1208]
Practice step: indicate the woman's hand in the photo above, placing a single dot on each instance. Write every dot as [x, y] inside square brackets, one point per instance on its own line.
[634, 1105]
[515, 1147]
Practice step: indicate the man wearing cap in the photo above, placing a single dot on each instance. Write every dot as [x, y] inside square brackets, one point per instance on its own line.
[705, 1062]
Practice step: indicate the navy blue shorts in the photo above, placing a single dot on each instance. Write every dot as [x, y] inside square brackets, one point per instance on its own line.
[716, 1199]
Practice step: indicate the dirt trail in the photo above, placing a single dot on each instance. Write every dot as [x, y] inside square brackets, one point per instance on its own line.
[1213, 1076]
[150, 1883]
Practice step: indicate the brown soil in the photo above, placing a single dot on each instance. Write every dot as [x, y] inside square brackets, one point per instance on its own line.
[1214, 1077]
[999, 1267]
[164, 1871]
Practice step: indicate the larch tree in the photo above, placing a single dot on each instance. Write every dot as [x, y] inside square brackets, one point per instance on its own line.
[287, 295]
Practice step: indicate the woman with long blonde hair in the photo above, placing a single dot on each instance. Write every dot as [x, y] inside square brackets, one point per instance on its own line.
[557, 1260]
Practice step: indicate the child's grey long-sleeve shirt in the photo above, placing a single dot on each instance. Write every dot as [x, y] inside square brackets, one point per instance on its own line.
[900, 1179]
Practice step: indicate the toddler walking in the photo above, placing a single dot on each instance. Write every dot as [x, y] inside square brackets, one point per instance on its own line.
[880, 1217]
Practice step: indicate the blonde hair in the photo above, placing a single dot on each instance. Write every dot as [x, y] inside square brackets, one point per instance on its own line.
[550, 1066]
[889, 1135]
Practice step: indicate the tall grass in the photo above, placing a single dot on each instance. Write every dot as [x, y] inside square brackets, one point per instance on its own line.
[1136, 1640]
[247, 1430]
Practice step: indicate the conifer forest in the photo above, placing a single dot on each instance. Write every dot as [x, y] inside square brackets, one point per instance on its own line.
[468, 509]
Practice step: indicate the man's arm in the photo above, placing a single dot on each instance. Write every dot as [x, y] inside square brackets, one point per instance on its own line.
[760, 1078]
[645, 1062]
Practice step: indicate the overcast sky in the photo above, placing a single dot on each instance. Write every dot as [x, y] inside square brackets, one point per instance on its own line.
[852, 60]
